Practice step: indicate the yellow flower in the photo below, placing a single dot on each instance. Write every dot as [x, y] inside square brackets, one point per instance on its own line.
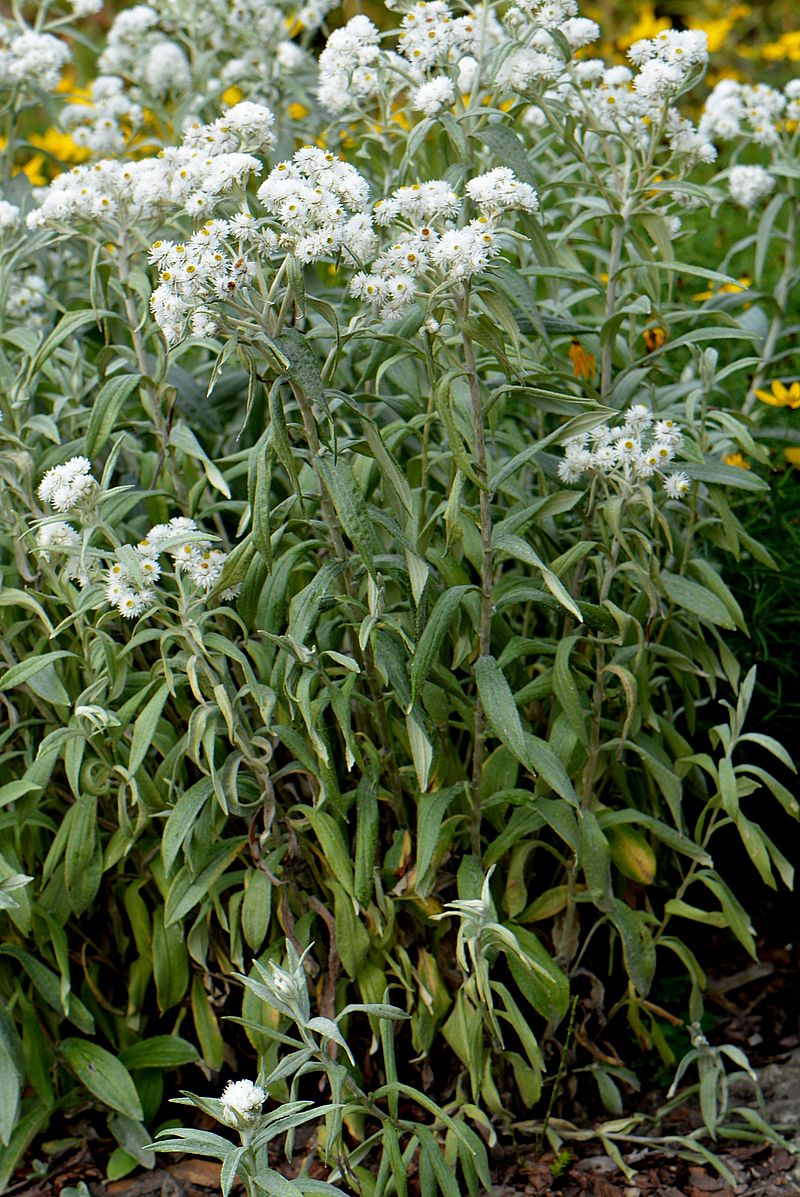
[583, 363]
[62, 146]
[737, 459]
[296, 112]
[716, 31]
[33, 169]
[647, 25]
[780, 395]
[793, 457]
[725, 289]
[231, 96]
[787, 46]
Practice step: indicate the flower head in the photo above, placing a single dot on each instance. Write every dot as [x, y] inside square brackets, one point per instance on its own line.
[241, 1102]
[64, 486]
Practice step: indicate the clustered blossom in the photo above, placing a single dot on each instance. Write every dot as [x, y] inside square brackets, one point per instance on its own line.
[631, 454]
[27, 298]
[538, 56]
[104, 119]
[666, 63]
[195, 176]
[211, 265]
[241, 43]
[433, 244]
[59, 535]
[746, 110]
[748, 185]
[130, 580]
[9, 216]
[352, 65]
[317, 202]
[432, 45]
[241, 1102]
[30, 59]
[65, 486]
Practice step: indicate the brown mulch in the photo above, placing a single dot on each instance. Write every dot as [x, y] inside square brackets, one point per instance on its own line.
[759, 1171]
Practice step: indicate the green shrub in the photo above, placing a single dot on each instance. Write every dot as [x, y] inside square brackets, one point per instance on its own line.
[429, 609]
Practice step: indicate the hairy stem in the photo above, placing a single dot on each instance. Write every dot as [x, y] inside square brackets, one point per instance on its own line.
[485, 625]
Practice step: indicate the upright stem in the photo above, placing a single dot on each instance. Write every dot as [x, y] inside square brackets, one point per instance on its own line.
[782, 292]
[340, 551]
[153, 407]
[485, 625]
[617, 237]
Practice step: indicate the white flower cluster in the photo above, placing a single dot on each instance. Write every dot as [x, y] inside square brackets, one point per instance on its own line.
[433, 44]
[58, 535]
[241, 1102]
[211, 265]
[85, 8]
[353, 66]
[9, 217]
[747, 110]
[136, 48]
[99, 124]
[196, 175]
[129, 582]
[242, 43]
[317, 202]
[26, 297]
[666, 62]
[633, 453]
[30, 59]
[450, 252]
[65, 486]
[539, 56]
[748, 185]
[431, 35]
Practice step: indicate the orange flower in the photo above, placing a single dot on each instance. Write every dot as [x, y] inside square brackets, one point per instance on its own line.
[780, 395]
[738, 460]
[793, 457]
[583, 363]
[654, 337]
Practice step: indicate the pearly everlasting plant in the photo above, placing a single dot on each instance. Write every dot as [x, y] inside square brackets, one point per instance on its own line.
[381, 403]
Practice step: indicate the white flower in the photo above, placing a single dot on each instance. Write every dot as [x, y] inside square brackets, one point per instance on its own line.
[55, 534]
[9, 216]
[749, 184]
[64, 486]
[500, 189]
[434, 96]
[166, 68]
[241, 1102]
[677, 485]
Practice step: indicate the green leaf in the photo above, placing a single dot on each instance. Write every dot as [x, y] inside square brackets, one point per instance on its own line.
[68, 325]
[20, 673]
[83, 861]
[350, 506]
[440, 621]
[693, 597]
[106, 408]
[145, 727]
[724, 475]
[103, 1075]
[162, 1051]
[501, 711]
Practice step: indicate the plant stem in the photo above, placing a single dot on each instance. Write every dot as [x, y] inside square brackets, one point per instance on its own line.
[153, 406]
[615, 256]
[485, 625]
[783, 291]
